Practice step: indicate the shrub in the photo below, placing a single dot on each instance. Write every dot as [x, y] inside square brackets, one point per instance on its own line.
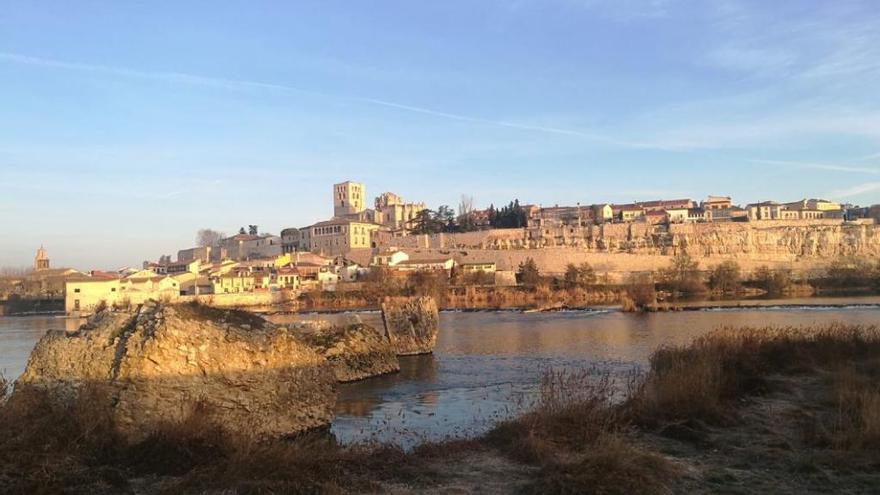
[527, 273]
[640, 292]
[775, 282]
[857, 397]
[699, 380]
[725, 277]
[683, 275]
[849, 272]
[581, 275]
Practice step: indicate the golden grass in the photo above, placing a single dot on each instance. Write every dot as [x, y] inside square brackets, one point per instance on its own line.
[699, 380]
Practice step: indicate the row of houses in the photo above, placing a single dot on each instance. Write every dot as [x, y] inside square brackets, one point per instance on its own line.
[295, 272]
[712, 209]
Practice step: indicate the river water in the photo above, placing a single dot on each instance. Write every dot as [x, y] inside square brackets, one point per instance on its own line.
[487, 365]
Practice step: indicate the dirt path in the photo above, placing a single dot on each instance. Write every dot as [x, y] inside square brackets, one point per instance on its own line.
[479, 472]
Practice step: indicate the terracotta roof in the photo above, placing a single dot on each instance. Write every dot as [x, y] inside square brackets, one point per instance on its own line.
[425, 261]
[104, 275]
[663, 202]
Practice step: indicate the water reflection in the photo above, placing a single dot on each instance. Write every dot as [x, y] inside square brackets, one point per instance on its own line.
[18, 334]
[487, 365]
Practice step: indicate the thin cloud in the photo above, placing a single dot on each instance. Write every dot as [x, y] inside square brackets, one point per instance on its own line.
[820, 166]
[234, 84]
[857, 190]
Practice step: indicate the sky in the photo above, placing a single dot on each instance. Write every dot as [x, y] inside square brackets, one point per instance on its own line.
[127, 126]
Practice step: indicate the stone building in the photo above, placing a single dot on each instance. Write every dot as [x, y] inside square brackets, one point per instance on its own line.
[41, 260]
[246, 246]
[393, 212]
[348, 198]
[716, 203]
[666, 204]
[340, 235]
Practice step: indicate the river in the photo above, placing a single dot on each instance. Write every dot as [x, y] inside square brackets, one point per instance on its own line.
[487, 365]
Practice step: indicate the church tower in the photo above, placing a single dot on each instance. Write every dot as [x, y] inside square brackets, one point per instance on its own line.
[41, 260]
[348, 198]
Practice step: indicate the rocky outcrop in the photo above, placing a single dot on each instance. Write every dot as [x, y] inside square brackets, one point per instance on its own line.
[411, 325]
[355, 350]
[156, 364]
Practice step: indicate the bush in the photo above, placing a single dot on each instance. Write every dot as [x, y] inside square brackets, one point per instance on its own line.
[850, 272]
[775, 282]
[527, 273]
[640, 292]
[581, 275]
[683, 275]
[698, 381]
[725, 277]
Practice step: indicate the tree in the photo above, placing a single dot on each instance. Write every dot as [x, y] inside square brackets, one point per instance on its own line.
[641, 291]
[775, 282]
[683, 275]
[424, 222]
[579, 276]
[444, 220]
[466, 221]
[241, 231]
[725, 277]
[379, 282]
[849, 272]
[429, 283]
[512, 216]
[527, 273]
[253, 230]
[208, 237]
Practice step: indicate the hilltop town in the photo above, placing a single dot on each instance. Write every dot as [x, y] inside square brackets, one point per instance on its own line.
[488, 247]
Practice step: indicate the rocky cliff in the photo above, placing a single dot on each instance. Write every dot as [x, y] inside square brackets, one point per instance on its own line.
[785, 239]
[354, 350]
[411, 325]
[157, 364]
[761, 239]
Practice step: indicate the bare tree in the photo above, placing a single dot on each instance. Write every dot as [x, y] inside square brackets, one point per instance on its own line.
[208, 237]
[466, 213]
[14, 271]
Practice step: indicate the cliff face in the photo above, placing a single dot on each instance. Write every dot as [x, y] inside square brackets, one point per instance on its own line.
[818, 241]
[356, 351]
[158, 364]
[764, 239]
[411, 326]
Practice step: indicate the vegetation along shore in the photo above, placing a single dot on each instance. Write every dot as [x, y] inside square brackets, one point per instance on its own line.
[777, 410]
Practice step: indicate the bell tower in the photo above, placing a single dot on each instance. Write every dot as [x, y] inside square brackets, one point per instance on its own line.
[348, 198]
[41, 260]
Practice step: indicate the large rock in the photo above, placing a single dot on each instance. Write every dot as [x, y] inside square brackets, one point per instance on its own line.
[355, 350]
[157, 364]
[411, 325]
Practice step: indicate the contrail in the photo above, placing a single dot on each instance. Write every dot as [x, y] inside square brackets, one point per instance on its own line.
[234, 84]
[821, 166]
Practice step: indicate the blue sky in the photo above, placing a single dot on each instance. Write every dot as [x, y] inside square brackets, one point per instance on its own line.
[127, 126]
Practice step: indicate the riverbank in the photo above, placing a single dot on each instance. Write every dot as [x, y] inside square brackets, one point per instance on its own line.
[772, 410]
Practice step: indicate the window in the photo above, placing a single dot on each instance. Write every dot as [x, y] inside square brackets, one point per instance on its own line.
[76, 290]
[112, 289]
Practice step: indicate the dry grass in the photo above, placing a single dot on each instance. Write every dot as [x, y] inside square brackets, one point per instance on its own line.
[856, 424]
[581, 439]
[582, 435]
[700, 380]
[47, 448]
